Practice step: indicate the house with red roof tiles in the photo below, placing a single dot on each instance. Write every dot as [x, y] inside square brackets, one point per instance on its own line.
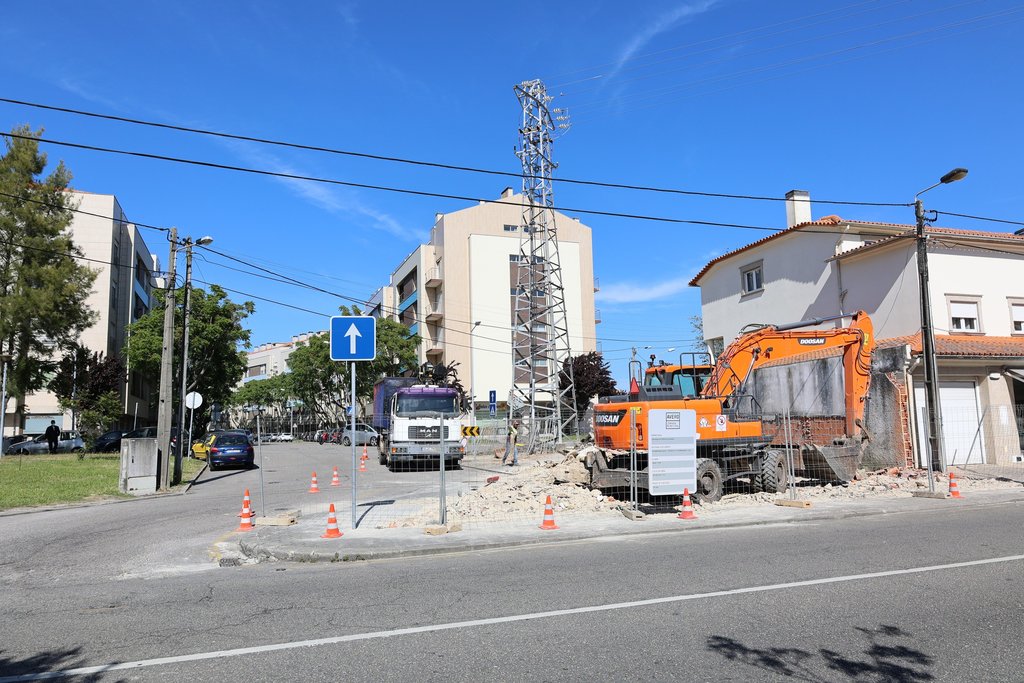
[817, 268]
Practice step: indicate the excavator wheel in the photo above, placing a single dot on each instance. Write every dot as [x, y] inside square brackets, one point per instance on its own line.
[773, 478]
[709, 481]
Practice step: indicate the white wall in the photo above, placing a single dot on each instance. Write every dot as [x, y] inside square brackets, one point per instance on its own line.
[989, 275]
[490, 303]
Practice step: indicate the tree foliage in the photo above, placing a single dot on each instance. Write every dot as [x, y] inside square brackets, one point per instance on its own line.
[216, 339]
[324, 385]
[90, 385]
[43, 288]
[592, 376]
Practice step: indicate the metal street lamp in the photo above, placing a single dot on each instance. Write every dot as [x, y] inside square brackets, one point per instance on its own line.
[936, 454]
[188, 244]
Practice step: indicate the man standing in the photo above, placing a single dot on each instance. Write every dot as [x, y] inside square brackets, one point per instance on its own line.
[510, 444]
[52, 435]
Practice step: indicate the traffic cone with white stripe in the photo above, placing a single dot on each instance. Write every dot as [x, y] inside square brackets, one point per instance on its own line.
[332, 525]
[365, 456]
[687, 512]
[247, 515]
[549, 516]
[246, 505]
[335, 480]
[362, 465]
[313, 488]
[954, 488]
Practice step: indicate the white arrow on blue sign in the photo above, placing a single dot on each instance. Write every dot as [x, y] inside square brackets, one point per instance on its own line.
[353, 337]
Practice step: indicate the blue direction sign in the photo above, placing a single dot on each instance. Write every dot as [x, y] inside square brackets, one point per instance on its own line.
[353, 337]
[492, 401]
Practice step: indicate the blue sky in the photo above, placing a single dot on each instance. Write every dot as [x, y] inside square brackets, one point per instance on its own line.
[850, 100]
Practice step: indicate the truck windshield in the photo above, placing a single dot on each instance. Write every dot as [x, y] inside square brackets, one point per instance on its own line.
[412, 405]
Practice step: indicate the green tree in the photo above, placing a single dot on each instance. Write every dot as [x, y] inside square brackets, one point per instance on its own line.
[90, 385]
[217, 338]
[324, 385]
[43, 288]
[592, 376]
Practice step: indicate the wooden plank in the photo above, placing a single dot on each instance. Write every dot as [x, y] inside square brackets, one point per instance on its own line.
[794, 503]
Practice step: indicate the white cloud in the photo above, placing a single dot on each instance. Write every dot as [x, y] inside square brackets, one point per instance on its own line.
[632, 292]
[663, 23]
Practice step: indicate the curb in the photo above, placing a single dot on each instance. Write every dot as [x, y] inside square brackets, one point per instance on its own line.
[262, 553]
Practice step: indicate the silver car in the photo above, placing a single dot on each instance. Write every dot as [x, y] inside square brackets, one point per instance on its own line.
[67, 442]
[364, 435]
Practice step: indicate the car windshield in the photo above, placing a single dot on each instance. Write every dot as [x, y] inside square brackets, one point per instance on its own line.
[419, 405]
[232, 440]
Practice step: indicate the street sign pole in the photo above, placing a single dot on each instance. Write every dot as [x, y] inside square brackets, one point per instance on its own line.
[352, 439]
[442, 516]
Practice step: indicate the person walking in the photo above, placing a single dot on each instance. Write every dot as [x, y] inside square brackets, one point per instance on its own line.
[510, 444]
[52, 435]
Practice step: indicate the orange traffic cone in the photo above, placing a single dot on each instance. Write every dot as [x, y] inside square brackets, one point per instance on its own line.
[246, 507]
[687, 512]
[954, 488]
[362, 465]
[549, 516]
[332, 525]
[365, 456]
[335, 480]
[247, 515]
[313, 488]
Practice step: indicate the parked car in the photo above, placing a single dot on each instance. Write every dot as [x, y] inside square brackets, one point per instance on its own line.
[285, 437]
[230, 448]
[150, 433]
[67, 442]
[110, 442]
[17, 438]
[364, 435]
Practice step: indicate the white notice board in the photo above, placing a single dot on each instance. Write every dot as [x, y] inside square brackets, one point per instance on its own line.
[671, 451]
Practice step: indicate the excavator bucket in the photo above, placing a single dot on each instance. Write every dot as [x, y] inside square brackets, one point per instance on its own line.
[832, 462]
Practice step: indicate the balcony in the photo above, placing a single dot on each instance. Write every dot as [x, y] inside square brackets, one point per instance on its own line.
[434, 309]
[435, 345]
[597, 315]
[433, 278]
[597, 285]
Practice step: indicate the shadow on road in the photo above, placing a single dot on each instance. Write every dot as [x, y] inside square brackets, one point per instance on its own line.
[882, 659]
[52, 660]
[207, 480]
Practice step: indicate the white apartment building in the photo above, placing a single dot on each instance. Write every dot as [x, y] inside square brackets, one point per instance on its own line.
[831, 266]
[457, 291]
[121, 295]
[271, 359]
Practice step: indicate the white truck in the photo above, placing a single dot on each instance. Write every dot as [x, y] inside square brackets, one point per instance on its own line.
[409, 417]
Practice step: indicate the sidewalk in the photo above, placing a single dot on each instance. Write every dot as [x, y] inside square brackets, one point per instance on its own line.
[302, 543]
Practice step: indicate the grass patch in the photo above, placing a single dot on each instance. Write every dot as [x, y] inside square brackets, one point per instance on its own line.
[31, 480]
[36, 480]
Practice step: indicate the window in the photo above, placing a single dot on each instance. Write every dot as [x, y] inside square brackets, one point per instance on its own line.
[1017, 317]
[510, 228]
[715, 346]
[964, 316]
[513, 258]
[752, 278]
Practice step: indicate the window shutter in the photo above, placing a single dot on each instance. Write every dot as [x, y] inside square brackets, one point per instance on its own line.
[961, 309]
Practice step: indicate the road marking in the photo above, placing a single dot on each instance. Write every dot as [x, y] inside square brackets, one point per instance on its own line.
[355, 637]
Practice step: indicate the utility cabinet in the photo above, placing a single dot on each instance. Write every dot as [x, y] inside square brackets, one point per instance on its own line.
[138, 466]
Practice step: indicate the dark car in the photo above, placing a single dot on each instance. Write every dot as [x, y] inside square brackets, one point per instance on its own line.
[109, 442]
[230, 448]
[150, 433]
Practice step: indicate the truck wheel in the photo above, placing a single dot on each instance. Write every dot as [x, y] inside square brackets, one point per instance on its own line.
[709, 481]
[773, 478]
[382, 457]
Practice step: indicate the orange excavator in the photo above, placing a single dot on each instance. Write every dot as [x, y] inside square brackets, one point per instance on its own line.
[818, 376]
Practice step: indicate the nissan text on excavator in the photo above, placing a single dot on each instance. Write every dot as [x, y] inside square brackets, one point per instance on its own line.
[818, 378]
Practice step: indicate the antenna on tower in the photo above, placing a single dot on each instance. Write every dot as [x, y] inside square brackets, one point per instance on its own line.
[544, 399]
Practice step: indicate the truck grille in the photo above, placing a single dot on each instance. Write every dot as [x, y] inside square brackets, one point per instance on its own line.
[425, 433]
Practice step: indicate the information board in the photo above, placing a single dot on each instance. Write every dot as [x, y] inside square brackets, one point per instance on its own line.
[671, 451]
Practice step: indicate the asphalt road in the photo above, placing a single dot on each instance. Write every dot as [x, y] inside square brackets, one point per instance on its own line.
[128, 583]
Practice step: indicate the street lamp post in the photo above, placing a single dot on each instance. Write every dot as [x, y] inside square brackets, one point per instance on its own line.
[936, 454]
[188, 244]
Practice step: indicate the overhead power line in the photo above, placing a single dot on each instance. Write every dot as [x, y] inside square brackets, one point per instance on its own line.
[394, 159]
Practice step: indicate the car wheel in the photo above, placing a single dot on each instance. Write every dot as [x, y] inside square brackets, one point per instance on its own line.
[373, 441]
[346, 441]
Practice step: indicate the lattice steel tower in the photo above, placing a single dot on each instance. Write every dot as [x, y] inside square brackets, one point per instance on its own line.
[540, 334]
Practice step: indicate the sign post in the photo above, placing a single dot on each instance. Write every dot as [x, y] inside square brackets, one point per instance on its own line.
[353, 338]
[192, 401]
[672, 451]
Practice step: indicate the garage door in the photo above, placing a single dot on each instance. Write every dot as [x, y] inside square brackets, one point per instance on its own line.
[963, 441]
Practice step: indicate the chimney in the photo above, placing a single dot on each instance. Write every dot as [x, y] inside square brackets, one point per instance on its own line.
[507, 192]
[798, 207]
